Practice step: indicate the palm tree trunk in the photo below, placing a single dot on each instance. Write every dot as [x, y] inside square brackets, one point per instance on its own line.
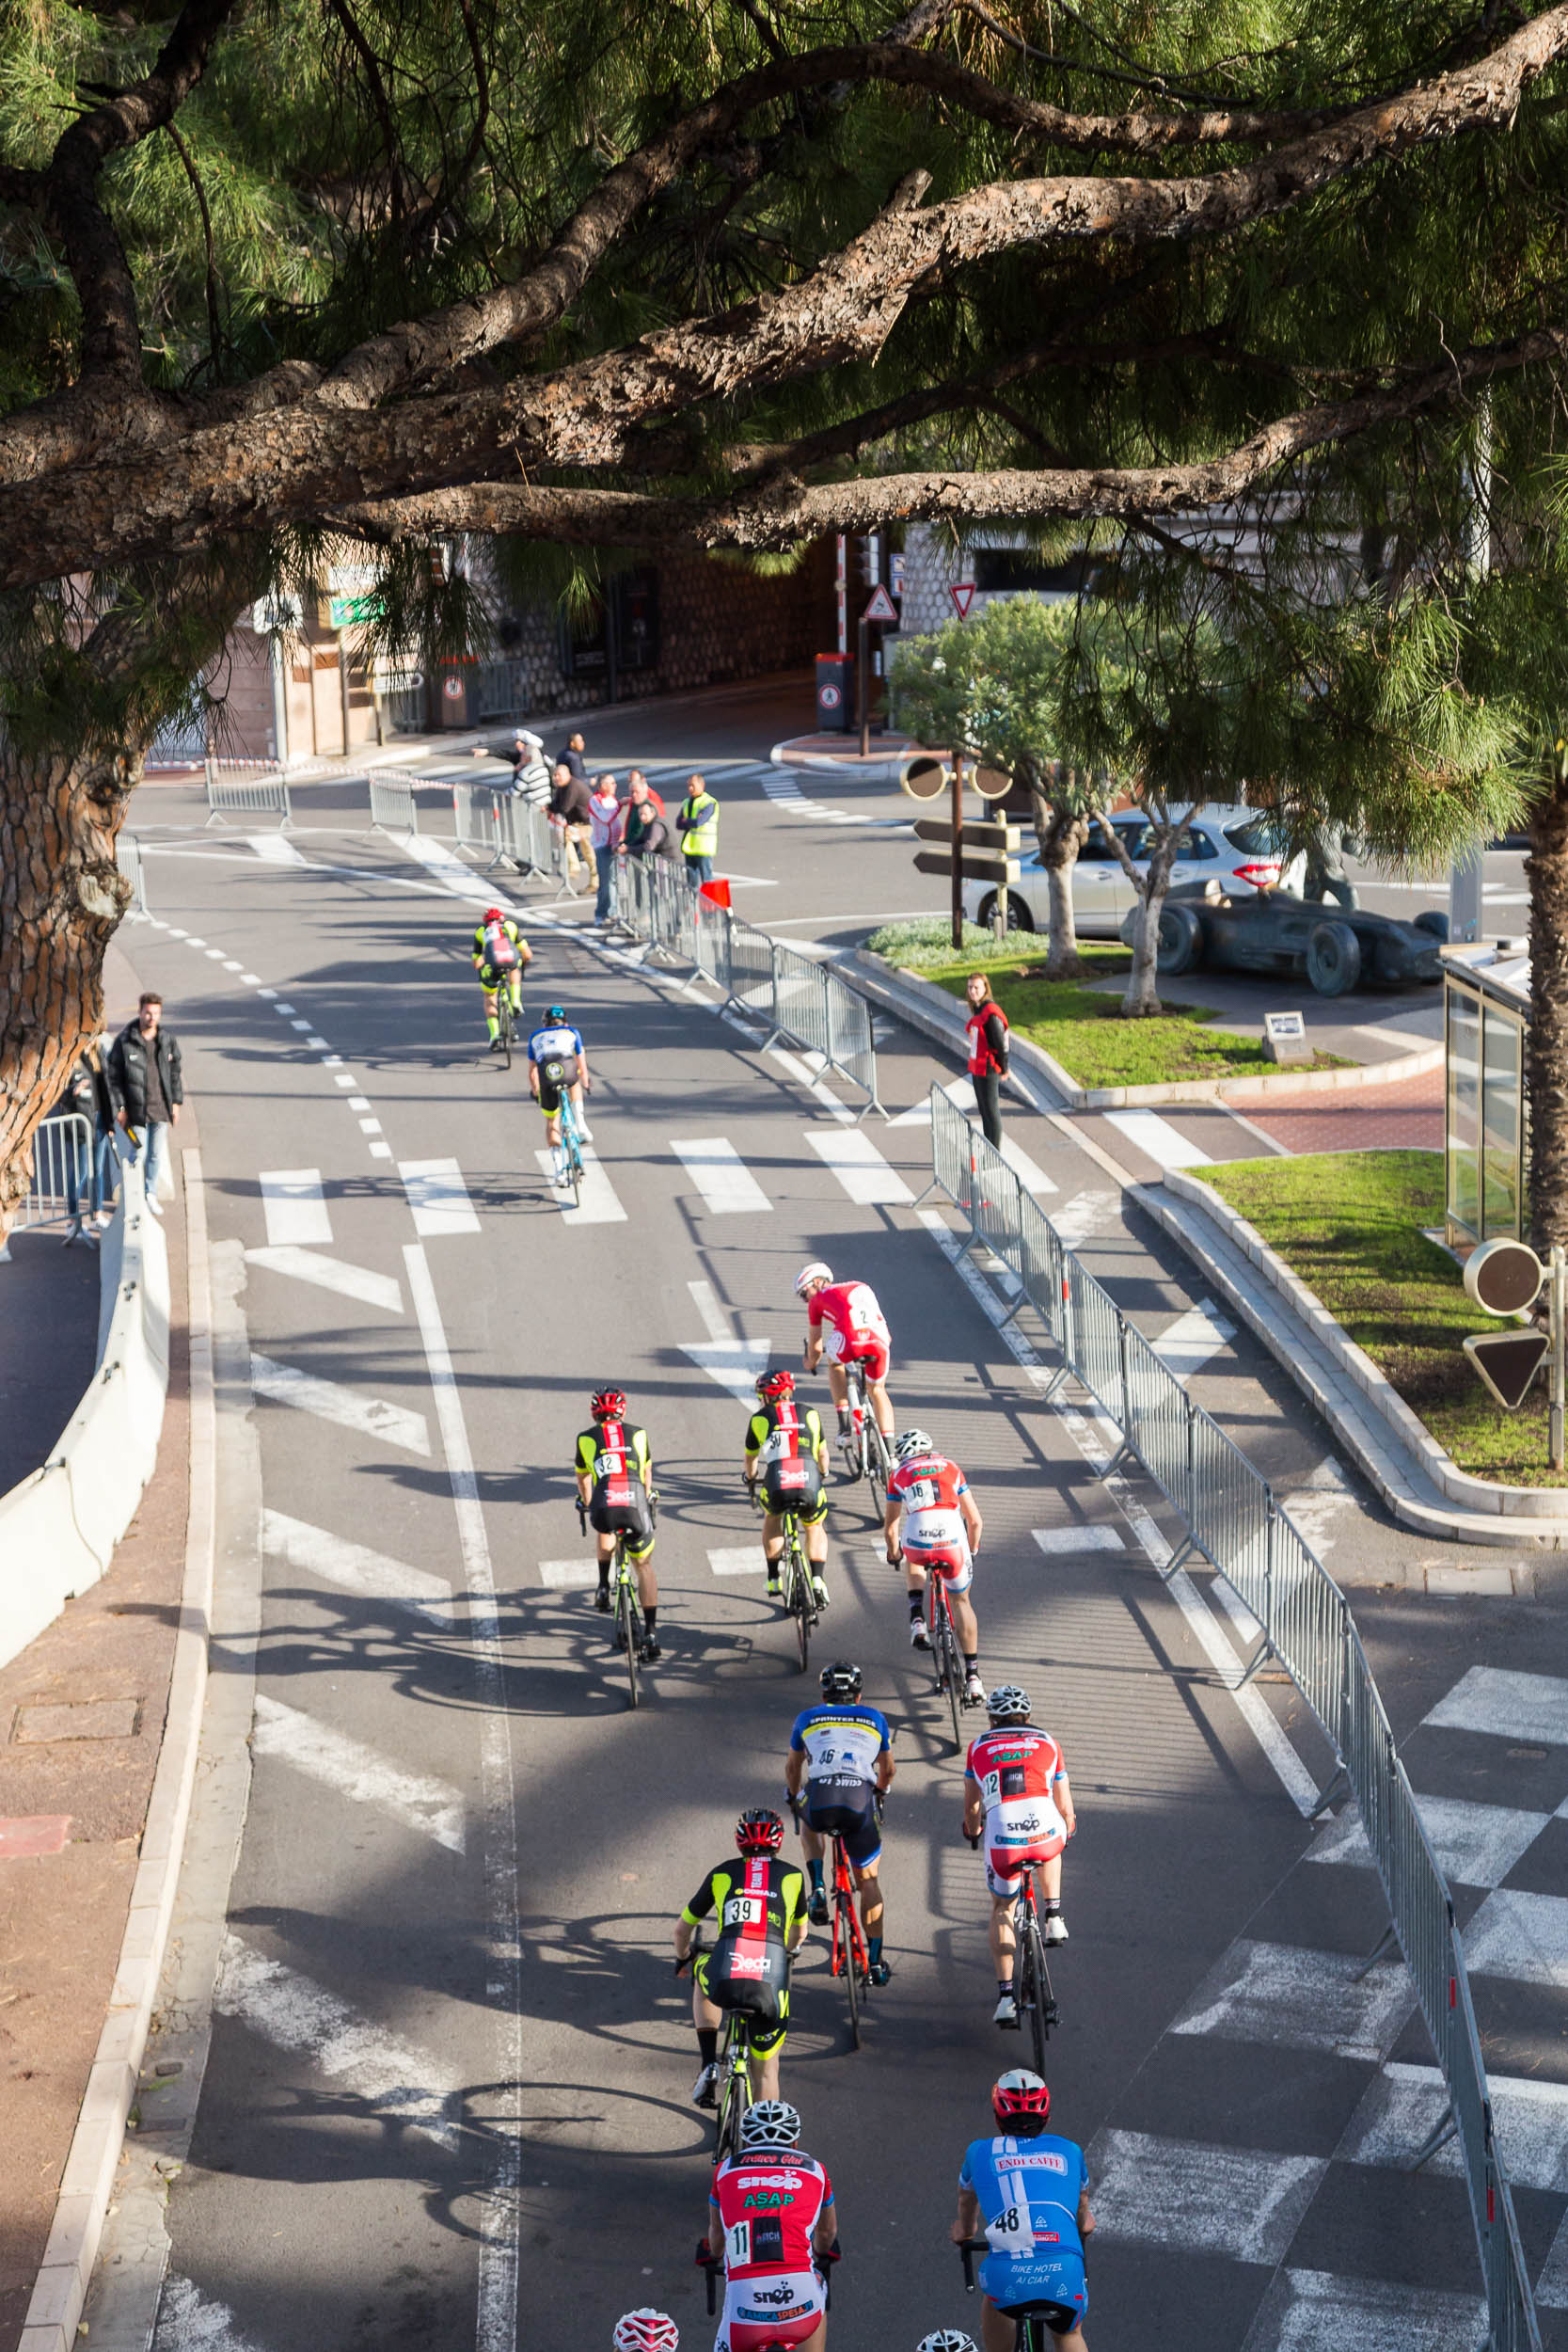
[1546, 1033]
[61, 896]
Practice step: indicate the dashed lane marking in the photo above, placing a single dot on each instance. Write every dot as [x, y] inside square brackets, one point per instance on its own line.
[560, 1575]
[430, 1807]
[295, 1206]
[330, 1274]
[1158, 1140]
[1057, 1541]
[720, 1175]
[1246, 2202]
[371, 1416]
[599, 1204]
[355, 1568]
[850, 1154]
[737, 1560]
[1194, 1339]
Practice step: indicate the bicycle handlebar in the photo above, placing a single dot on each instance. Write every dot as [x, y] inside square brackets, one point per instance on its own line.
[968, 2248]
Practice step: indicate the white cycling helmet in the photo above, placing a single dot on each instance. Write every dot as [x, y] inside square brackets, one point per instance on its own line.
[815, 1272]
[914, 1441]
[646, 2330]
[770, 2123]
[1007, 1702]
[946, 2339]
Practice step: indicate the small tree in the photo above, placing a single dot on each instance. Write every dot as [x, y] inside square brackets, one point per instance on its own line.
[990, 685]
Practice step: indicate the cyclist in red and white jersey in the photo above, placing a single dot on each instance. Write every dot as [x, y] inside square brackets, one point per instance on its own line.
[942, 1526]
[1016, 1791]
[772, 2218]
[845, 1324]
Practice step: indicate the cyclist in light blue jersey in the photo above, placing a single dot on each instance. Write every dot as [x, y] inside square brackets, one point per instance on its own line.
[840, 1765]
[1026, 2192]
[557, 1065]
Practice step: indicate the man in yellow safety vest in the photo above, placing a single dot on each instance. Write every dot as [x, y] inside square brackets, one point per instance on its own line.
[697, 822]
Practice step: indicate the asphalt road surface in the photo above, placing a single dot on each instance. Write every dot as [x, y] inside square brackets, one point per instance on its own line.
[447, 2093]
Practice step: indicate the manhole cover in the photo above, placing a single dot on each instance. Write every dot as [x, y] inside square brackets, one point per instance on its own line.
[93, 1719]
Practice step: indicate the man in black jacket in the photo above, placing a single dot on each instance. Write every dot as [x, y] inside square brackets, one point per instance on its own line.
[144, 1073]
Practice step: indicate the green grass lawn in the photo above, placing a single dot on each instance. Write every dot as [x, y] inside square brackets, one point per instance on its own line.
[1350, 1224]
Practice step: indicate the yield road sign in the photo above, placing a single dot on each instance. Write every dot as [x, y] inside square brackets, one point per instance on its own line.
[1508, 1361]
[962, 594]
[882, 607]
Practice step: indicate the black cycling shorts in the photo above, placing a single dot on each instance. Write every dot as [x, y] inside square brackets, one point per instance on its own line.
[847, 1809]
[795, 1485]
[556, 1078]
[620, 1506]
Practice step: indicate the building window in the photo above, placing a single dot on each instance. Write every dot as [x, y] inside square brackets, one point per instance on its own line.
[1000, 570]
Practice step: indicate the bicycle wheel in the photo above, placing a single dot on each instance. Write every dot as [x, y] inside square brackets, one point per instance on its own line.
[626, 1628]
[879, 1464]
[504, 1010]
[1033, 1991]
[736, 2094]
[844, 1904]
[949, 1666]
[800, 1595]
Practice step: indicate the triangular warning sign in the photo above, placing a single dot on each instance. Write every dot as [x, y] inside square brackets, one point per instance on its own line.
[1508, 1361]
[962, 594]
[882, 607]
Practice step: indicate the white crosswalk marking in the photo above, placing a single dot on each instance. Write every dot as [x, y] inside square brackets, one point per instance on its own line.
[960, 1094]
[1190, 1341]
[1311, 2310]
[295, 1208]
[355, 1568]
[274, 849]
[1159, 1141]
[372, 1416]
[859, 1168]
[726, 1183]
[1300, 2000]
[331, 1273]
[1316, 1503]
[1053, 1541]
[189, 2321]
[1517, 1706]
[1475, 1844]
[437, 1197]
[1521, 1936]
[562, 1574]
[739, 1560]
[296, 2014]
[1086, 1215]
[1246, 2202]
[599, 1204]
[1403, 2104]
[431, 1808]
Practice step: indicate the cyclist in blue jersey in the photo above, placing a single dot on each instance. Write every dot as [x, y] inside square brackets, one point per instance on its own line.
[1026, 2192]
[840, 1766]
[557, 1065]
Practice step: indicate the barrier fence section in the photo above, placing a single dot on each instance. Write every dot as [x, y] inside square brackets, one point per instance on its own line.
[247, 796]
[129, 859]
[62, 1171]
[393, 807]
[1233, 1521]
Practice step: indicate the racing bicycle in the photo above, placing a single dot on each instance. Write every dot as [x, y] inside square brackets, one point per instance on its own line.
[946, 1654]
[848, 1957]
[1035, 2331]
[866, 1451]
[796, 1596]
[735, 2071]
[571, 1145]
[625, 1604]
[1030, 1976]
[506, 1019]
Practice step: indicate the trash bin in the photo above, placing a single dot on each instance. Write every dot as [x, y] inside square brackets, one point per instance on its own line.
[835, 693]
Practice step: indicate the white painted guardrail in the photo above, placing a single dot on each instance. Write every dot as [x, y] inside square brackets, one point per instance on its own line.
[59, 1527]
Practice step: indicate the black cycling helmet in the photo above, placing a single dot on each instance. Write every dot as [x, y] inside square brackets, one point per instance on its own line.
[841, 1681]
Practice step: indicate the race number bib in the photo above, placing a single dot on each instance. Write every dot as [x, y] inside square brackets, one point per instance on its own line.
[744, 1911]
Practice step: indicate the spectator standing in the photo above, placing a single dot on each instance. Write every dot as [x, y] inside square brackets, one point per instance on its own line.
[635, 777]
[697, 822]
[531, 778]
[604, 814]
[987, 1029]
[570, 814]
[144, 1077]
[574, 756]
[644, 826]
[88, 1096]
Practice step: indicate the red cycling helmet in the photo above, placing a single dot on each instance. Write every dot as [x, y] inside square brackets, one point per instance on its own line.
[776, 1382]
[1020, 2094]
[608, 1404]
[759, 1831]
[494, 915]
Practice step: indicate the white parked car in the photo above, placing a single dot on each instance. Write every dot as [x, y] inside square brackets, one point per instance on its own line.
[1236, 847]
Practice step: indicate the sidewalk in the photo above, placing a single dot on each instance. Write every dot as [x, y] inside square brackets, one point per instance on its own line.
[81, 1713]
[1403, 1115]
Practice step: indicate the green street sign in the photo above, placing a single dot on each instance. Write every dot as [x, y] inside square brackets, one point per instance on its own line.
[349, 611]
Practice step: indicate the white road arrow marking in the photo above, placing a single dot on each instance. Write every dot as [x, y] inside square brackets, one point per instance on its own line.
[285, 1384]
[734, 1363]
[431, 1808]
[354, 1567]
[296, 1209]
[295, 2014]
[331, 1273]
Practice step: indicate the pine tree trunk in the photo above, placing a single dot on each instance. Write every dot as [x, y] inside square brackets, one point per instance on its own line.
[61, 896]
[1546, 1034]
[1142, 998]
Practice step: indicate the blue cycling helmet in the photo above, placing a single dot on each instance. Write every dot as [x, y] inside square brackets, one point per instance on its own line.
[555, 1014]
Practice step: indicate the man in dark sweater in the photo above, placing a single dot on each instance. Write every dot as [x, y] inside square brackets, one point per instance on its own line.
[144, 1077]
[570, 813]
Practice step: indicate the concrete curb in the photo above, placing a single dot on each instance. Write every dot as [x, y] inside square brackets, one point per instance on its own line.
[1422, 1485]
[87, 2182]
[913, 988]
[59, 1527]
[825, 763]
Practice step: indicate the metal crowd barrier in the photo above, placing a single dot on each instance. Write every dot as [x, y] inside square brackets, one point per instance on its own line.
[1304, 1623]
[129, 859]
[793, 994]
[247, 796]
[62, 1171]
[393, 807]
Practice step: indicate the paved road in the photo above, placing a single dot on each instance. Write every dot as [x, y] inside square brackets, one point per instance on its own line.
[446, 1972]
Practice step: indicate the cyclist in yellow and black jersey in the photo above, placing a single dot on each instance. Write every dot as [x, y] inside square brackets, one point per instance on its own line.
[500, 955]
[615, 1481]
[786, 1462]
[760, 1906]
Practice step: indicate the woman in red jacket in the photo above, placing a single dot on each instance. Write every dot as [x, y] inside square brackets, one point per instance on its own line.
[987, 1029]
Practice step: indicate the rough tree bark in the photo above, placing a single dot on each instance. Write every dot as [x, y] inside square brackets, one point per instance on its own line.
[61, 896]
[1142, 998]
[1060, 829]
[1546, 1033]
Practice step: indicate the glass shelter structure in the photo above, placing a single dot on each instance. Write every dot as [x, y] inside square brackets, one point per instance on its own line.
[1486, 1007]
